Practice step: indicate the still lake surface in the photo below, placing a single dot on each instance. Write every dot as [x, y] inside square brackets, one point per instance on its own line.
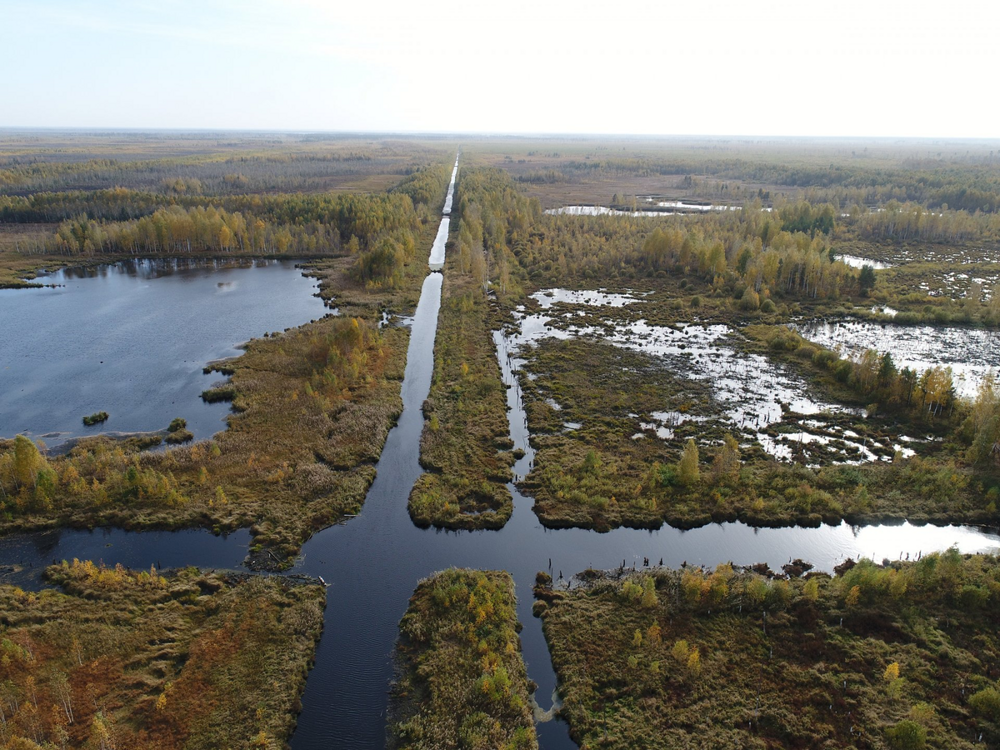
[373, 562]
[132, 338]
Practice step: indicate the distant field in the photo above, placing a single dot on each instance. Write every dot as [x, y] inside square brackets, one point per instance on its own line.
[206, 163]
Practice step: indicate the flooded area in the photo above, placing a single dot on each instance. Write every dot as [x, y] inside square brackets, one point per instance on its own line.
[855, 261]
[603, 211]
[132, 339]
[969, 352]
[682, 206]
[760, 400]
[650, 206]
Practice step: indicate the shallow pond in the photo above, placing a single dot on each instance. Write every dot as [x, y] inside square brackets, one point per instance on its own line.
[690, 207]
[969, 352]
[855, 261]
[132, 338]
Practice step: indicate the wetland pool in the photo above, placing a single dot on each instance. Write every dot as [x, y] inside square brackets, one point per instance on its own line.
[763, 402]
[969, 352]
[131, 339]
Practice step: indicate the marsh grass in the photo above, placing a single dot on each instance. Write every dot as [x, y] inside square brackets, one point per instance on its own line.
[461, 680]
[816, 662]
[155, 660]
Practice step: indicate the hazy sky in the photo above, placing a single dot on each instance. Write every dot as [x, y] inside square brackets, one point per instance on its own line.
[799, 67]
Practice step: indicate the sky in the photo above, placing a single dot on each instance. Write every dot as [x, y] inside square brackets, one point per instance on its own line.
[784, 67]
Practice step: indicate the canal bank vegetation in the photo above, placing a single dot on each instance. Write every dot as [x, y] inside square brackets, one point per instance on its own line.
[894, 656]
[461, 680]
[113, 658]
[465, 446]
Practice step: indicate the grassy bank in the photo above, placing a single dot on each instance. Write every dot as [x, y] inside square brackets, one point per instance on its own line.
[180, 659]
[901, 656]
[462, 681]
[465, 443]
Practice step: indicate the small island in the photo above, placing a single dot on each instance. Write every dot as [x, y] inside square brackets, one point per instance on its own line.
[462, 681]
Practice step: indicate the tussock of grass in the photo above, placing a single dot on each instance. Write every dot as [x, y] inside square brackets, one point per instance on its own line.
[462, 681]
[176, 660]
[733, 658]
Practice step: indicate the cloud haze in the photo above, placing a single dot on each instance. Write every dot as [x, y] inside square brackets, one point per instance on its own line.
[788, 67]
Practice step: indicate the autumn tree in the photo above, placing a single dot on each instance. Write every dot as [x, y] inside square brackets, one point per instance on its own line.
[687, 468]
[726, 465]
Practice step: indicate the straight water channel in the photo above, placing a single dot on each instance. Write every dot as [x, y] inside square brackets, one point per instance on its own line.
[374, 561]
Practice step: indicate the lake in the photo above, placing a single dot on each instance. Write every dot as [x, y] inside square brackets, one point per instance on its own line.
[132, 338]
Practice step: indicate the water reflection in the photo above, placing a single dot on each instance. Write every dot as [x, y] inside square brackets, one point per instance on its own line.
[969, 352]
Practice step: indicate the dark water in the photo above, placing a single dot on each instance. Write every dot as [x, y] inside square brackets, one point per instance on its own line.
[30, 553]
[374, 561]
[132, 338]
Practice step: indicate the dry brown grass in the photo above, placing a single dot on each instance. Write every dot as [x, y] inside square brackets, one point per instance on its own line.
[183, 659]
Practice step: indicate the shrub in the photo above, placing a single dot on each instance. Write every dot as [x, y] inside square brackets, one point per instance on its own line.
[750, 301]
[986, 703]
[907, 735]
[824, 358]
[96, 418]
